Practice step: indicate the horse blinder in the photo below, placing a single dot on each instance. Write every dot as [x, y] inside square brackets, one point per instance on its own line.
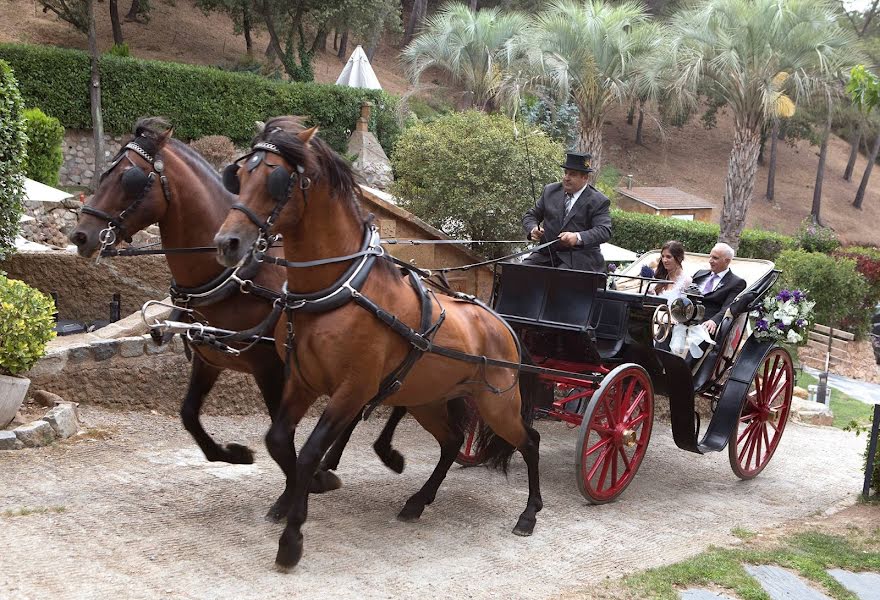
[230, 179]
[134, 181]
[278, 184]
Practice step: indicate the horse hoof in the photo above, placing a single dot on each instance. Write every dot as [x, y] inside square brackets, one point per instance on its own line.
[524, 527]
[324, 481]
[394, 461]
[288, 555]
[236, 454]
[276, 514]
[410, 513]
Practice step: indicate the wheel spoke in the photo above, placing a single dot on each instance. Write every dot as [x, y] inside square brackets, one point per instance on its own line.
[766, 436]
[605, 464]
[599, 461]
[635, 404]
[748, 429]
[621, 401]
[596, 446]
[626, 464]
[747, 445]
[608, 413]
[758, 453]
[638, 420]
[614, 469]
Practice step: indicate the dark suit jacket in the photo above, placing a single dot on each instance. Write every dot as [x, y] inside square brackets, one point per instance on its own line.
[718, 300]
[590, 216]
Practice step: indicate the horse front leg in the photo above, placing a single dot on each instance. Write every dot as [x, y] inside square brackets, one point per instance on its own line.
[338, 414]
[202, 378]
[443, 421]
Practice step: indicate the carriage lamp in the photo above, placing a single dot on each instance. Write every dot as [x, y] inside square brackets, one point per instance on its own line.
[685, 311]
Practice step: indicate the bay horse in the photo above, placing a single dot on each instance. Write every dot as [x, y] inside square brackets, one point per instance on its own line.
[158, 179]
[294, 180]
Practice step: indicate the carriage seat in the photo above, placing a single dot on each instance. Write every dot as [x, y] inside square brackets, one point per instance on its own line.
[545, 296]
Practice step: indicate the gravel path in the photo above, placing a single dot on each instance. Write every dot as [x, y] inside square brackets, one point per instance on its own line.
[141, 514]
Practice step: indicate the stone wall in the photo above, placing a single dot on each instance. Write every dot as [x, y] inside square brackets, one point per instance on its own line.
[79, 150]
[86, 288]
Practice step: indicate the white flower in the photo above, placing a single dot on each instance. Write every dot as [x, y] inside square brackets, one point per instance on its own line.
[782, 315]
[793, 337]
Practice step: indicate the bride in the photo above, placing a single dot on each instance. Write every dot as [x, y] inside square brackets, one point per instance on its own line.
[671, 257]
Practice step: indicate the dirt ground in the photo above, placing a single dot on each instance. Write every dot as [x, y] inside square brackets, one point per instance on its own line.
[133, 510]
[692, 158]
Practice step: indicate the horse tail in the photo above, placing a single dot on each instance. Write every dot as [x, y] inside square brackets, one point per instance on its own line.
[495, 450]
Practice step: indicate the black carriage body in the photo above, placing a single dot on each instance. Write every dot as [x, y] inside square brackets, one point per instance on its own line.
[570, 321]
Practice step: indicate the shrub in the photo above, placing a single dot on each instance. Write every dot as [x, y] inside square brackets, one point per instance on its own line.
[13, 153]
[119, 50]
[833, 283]
[199, 101]
[757, 243]
[466, 174]
[45, 136]
[868, 264]
[217, 150]
[26, 324]
[815, 238]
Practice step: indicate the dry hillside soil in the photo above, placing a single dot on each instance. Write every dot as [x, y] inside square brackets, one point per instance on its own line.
[692, 158]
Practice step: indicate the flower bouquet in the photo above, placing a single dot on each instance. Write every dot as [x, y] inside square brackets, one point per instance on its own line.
[785, 318]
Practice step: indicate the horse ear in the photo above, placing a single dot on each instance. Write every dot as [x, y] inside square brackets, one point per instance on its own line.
[307, 135]
[165, 136]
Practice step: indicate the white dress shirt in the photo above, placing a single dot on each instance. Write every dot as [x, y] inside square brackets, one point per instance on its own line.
[569, 204]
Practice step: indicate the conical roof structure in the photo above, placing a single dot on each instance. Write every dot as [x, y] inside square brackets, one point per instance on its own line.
[358, 72]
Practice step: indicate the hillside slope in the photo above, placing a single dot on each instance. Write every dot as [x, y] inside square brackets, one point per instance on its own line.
[692, 158]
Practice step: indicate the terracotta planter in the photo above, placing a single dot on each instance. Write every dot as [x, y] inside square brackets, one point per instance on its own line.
[12, 393]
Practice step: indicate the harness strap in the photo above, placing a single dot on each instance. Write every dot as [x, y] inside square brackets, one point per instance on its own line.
[251, 215]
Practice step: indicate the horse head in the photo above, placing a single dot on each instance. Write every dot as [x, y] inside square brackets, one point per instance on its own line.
[132, 194]
[288, 169]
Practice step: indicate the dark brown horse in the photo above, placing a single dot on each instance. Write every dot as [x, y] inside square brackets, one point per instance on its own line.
[295, 180]
[157, 179]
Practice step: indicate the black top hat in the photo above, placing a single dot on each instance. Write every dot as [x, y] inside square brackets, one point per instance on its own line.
[578, 161]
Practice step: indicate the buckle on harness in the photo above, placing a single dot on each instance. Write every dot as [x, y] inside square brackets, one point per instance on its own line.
[420, 342]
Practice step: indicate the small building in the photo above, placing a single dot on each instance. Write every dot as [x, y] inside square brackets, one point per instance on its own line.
[666, 202]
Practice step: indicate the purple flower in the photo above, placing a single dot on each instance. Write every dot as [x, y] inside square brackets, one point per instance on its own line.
[612, 267]
[800, 322]
[797, 295]
[761, 325]
[779, 325]
[784, 296]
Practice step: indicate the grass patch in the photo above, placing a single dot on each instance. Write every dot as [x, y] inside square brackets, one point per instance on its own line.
[743, 534]
[808, 554]
[41, 510]
[846, 409]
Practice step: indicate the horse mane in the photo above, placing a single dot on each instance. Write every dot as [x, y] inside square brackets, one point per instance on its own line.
[317, 158]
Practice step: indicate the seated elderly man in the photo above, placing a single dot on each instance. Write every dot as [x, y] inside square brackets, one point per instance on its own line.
[719, 285]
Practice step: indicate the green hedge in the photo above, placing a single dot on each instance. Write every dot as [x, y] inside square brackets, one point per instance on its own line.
[13, 154]
[45, 136]
[199, 101]
[640, 232]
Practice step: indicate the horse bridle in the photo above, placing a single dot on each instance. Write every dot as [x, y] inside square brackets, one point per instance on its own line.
[280, 184]
[137, 184]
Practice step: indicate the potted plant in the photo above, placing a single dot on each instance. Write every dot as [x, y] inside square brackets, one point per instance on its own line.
[26, 324]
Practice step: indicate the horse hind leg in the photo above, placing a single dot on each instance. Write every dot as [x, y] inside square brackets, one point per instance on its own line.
[526, 523]
[390, 457]
[445, 421]
[202, 378]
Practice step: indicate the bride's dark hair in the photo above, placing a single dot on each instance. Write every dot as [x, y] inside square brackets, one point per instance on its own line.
[676, 249]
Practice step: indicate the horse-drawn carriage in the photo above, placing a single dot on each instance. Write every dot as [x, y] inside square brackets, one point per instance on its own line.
[596, 346]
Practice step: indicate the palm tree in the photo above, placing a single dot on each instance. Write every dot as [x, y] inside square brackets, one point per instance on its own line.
[471, 46]
[864, 90]
[740, 48]
[591, 52]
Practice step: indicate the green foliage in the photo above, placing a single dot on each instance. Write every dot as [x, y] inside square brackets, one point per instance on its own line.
[26, 324]
[468, 175]
[607, 180]
[868, 264]
[864, 89]
[833, 283]
[45, 135]
[13, 154]
[199, 101]
[119, 50]
[758, 243]
[816, 238]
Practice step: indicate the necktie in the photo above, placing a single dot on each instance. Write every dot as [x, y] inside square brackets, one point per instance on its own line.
[710, 284]
[569, 202]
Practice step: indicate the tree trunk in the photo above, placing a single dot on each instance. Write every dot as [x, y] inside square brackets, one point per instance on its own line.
[133, 11]
[343, 45]
[820, 170]
[771, 171]
[740, 183]
[860, 195]
[473, 5]
[590, 140]
[377, 35]
[95, 97]
[631, 113]
[246, 27]
[853, 153]
[114, 22]
[415, 20]
[639, 139]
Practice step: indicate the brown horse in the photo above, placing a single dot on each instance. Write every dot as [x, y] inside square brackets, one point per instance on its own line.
[157, 179]
[295, 180]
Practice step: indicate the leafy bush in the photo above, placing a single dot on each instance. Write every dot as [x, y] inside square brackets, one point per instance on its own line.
[607, 180]
[868, 264]
[217, 150]
[45, 136]
[559, 120]
[119, 50]
[26, 324]
[13, 153]
[467, 174]
[815, 238]
[833, 283]
[758, 243]
[199, 101]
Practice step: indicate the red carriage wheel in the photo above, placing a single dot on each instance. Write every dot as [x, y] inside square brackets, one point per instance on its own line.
[614, 433]
[468, 455]
[763, 416]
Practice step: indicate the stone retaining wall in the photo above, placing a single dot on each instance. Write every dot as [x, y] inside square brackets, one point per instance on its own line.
[79, 150]
[132, 373]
